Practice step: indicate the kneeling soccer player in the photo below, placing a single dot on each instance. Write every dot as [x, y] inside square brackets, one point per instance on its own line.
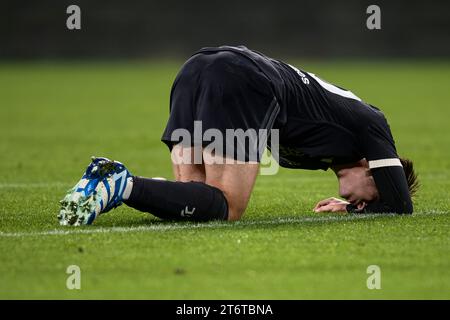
[319, 126]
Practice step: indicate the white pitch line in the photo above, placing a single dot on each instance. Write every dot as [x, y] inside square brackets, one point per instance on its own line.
[19, 185]
[178, 226]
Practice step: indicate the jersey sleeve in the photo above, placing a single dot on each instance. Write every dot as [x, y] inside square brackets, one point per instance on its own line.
[379, 150]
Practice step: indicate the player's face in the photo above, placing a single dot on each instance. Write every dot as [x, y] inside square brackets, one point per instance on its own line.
[356, 183]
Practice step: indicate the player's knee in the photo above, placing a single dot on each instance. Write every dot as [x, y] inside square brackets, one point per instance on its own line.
[235, 214]
[236, 207]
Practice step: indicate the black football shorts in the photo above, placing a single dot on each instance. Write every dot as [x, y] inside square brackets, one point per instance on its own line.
[223, 91]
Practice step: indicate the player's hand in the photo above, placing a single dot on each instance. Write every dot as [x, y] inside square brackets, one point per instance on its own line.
[331, 205]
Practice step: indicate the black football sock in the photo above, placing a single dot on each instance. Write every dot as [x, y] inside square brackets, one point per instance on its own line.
[170, 200]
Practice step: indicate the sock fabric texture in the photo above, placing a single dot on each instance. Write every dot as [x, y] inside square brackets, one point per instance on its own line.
[171, 200]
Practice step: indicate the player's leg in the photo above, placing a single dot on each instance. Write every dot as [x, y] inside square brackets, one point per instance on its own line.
[202, 192]
[236, 181]
[223, 91]
[186, 198]
[185, 171]
[107, 184]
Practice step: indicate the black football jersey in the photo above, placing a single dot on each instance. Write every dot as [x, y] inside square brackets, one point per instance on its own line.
[321, 124]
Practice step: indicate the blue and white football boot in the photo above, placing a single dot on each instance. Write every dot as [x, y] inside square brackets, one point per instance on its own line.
[100, 189]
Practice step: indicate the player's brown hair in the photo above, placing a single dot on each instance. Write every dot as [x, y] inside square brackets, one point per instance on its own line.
[411, 176]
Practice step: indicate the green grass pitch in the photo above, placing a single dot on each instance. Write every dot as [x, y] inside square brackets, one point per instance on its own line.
[53, 117]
